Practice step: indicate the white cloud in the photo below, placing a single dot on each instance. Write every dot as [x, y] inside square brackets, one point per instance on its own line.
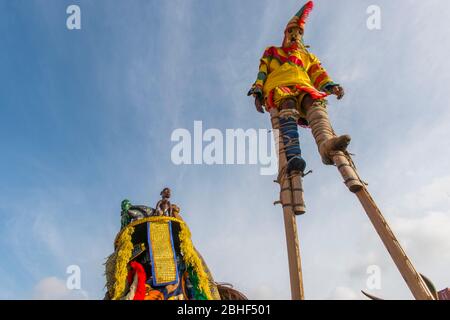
[434, 196]
[52, 288]
[428, 234]
[344, 293]
[261, 292]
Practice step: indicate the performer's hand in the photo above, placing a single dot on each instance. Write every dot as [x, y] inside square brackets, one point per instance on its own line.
[258, 94]
[258, 105]
[338, 91]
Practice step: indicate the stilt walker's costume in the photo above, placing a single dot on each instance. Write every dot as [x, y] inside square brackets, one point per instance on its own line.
[287, 76]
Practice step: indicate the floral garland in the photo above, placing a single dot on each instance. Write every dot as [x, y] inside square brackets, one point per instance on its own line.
[124, 252]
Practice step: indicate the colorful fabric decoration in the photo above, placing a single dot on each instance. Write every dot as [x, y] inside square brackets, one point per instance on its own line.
[152, 294]
[299, 20]
[180, 264]
[137, 271]
[162, 253]
[197, 292]
[286, 68]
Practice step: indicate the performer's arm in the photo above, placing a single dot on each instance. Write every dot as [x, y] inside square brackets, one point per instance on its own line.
[321, 80]
[257, 87]
[263, 71]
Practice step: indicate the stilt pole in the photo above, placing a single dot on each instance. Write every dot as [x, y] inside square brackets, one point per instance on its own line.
[290, 224]
[413, 279]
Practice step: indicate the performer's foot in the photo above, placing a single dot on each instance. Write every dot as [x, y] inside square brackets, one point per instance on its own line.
[297, 164]
[332, 145]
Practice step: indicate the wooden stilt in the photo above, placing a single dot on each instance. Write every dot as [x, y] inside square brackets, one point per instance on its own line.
[287, 200]
[413, 279]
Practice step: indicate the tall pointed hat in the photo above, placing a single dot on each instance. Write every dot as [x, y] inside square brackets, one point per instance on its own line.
[299, 20]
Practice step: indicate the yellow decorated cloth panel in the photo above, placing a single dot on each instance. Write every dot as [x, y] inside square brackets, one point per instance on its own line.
[162, 253]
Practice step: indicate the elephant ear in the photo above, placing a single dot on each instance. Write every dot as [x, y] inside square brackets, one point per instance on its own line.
[227, 292]
[430, 286]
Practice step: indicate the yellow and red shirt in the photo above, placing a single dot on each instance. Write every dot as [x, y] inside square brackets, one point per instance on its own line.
[284, 67]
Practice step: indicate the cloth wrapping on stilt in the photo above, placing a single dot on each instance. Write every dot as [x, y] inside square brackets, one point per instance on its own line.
[291, 143]
[289, 132]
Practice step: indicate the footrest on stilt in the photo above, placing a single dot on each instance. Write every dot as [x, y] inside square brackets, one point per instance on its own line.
[351, 178]
[291, 194]
[298, 201]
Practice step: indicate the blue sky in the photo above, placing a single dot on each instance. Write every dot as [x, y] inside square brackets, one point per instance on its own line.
[86, 118]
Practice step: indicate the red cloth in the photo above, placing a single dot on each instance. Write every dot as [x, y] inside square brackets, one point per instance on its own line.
[137, 268]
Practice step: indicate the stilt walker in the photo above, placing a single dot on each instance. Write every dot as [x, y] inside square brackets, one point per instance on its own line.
[292, 85]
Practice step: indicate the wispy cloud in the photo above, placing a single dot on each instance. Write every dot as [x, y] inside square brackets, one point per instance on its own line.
[52, 288]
